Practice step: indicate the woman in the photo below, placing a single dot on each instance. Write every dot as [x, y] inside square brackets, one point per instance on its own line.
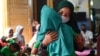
[66, 11]
[19, 38]
[53, 22]
[7, 39]
[61, 9]
[34, 30]
[9, 32]
[65, 32]
[9, 35]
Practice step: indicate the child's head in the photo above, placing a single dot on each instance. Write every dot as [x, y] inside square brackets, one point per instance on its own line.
[14, 47]
[3, 39]
[26, 49]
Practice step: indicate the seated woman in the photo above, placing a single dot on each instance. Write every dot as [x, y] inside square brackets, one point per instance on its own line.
[19, 38]
[35, 29]
[9, 34]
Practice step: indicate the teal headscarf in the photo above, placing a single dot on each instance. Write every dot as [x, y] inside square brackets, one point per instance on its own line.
[51, 20]
[65, 4]
[73, 21]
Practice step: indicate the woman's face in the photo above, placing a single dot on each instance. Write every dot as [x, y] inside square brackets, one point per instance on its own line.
[11, 33]
[21, 31]
[65, 13]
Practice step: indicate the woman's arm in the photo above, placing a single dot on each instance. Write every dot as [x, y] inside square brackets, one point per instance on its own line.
[49, 37]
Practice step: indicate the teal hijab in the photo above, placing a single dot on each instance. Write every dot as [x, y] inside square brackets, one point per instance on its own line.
[73, 21]
[51, 21]
[65, 4]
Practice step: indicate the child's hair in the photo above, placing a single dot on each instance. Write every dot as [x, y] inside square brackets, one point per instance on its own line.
[3, 39]
[28, 50]
[16, 46]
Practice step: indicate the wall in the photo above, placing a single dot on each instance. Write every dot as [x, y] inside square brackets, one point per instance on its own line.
[3, 16]
[19, 14]
[83, 6]
[96, 5]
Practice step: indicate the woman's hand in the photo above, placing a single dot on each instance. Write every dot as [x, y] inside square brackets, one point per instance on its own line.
[79, 40]
[49, 37]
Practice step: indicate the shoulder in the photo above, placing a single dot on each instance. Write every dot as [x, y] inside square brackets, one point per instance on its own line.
[88, 31]
[15, 34]
[4, 49]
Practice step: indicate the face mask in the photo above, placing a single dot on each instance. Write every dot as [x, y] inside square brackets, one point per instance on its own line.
[65, 19]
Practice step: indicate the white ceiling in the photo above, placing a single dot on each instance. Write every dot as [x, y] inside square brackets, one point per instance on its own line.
[96, 4]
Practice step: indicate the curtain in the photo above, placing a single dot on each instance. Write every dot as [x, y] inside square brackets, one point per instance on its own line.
[50, 3]
[3, 16]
